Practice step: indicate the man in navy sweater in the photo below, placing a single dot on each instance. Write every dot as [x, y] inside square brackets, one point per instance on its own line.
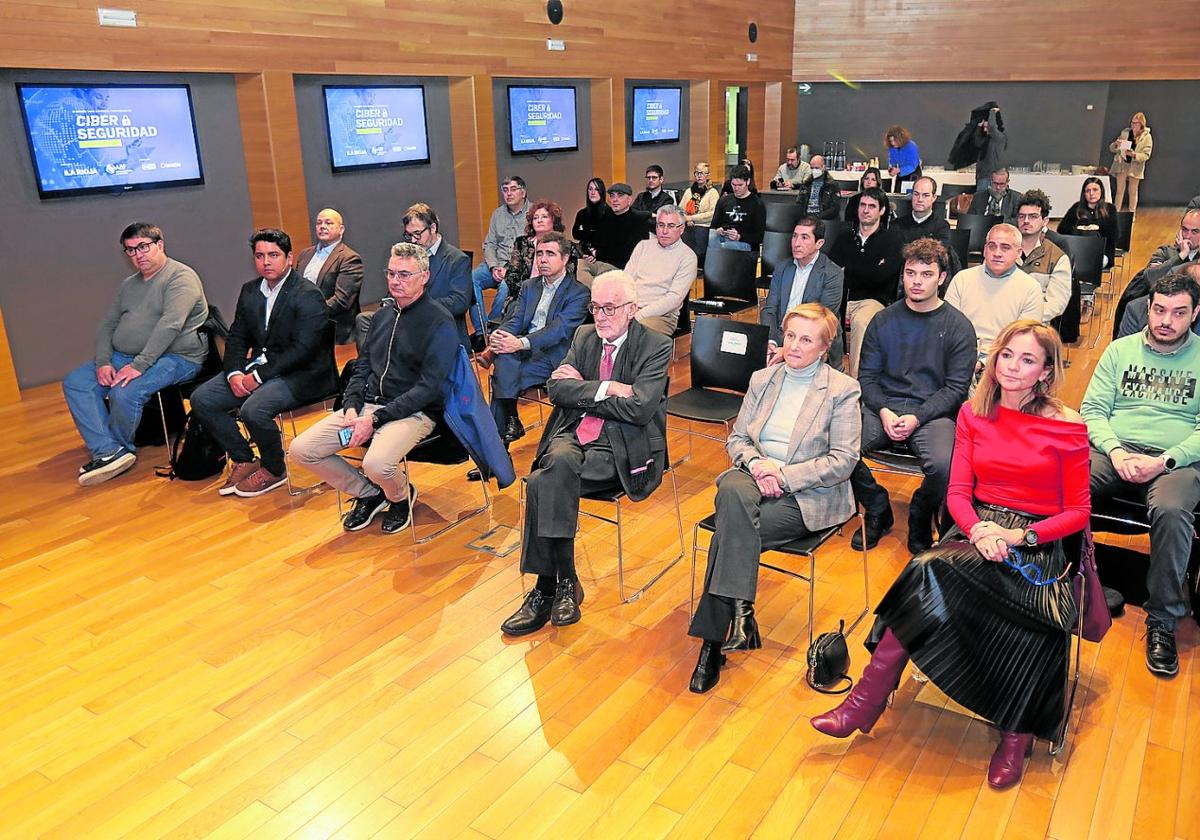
[918, 356]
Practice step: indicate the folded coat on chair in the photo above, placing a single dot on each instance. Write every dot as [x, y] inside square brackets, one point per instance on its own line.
[470, 418]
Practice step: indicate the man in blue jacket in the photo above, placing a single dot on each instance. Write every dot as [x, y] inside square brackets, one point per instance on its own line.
[533, 341]
[449, 268]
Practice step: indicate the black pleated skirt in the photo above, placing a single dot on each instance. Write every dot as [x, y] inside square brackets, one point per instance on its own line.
[991, 640]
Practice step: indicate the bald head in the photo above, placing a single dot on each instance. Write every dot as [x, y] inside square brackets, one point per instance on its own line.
[329, 227]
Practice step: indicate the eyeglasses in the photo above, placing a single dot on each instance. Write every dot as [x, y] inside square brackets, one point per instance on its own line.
[700, 172]
[402, 276]
[666, 226]
[415, 235]
[1030, 571]
[609, 309]
[139, 249]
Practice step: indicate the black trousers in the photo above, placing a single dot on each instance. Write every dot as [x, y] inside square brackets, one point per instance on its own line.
[932, 443]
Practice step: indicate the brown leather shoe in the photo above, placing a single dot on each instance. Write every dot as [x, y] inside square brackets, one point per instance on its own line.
[262, 480]
[238, 471]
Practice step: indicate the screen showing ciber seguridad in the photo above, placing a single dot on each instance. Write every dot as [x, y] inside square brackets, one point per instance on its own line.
[542, 119]
[655, 115]
[110, 138]
[376, 126]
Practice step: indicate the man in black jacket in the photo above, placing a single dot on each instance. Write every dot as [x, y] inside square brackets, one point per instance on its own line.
[278, 356]
[819, 197]
[620, 232]
[391, 401]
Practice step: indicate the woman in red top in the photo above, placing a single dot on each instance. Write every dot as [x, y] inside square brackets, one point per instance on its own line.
[985, 613]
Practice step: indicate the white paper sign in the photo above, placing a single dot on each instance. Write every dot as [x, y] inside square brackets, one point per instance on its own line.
[1126, 145]
[733, 342]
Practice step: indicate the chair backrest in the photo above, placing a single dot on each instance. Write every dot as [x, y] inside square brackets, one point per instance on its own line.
[834, 228]
[1124, 230]
[951, 190]
[683, 326]
[470, 256]
[979, 227]
[1087, 257]
[776, 249]
[729, 273]
[725, 352]
[901, 206]
[960, 242]
[782, 216]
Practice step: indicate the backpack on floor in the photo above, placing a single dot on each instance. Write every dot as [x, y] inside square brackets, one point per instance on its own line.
[196, 455]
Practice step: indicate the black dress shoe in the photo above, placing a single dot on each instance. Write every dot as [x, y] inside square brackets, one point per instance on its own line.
[920, 533]
[478, 342]
[513, 430]
[364, 510]
[1161, 657]
[474, 475]
[877, 526]
[743, 632]
[708, 668]
[568, 595]
[531, 617]
[396, 517]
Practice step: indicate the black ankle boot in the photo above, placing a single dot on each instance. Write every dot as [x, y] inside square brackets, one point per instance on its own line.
[708, 668]
[743, 632]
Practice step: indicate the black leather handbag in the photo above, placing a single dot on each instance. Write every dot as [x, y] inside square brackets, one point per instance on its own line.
[828, 662]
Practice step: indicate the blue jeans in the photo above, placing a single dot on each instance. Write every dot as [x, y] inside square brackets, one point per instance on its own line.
[105, 429]
[481, 278]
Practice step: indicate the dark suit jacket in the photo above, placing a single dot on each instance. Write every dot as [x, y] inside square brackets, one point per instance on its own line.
[339, 280]
[830, 191]
[1008, 205]
[824, 287]
[642, 362]
[450, 285]
[568, 308]
[298, 344]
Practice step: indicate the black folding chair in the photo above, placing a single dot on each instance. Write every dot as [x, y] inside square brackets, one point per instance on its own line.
[776, 250]
[960, 246]
[834, 228]
[1087, 270]
[782, 216]
[728, 282]
[979, 227]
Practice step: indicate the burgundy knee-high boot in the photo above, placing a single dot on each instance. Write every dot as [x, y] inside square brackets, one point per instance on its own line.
[1008, 762]
[868, 698]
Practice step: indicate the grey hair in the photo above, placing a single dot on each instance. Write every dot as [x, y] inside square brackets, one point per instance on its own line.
[670, 210]
[618, 276]
[412, 251]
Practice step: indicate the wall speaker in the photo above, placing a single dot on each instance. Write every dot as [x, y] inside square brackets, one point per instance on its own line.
[554, 11]
[752, 33]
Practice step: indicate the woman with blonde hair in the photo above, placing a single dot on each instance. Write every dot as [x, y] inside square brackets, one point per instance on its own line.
[1131, 149]
[985, 613]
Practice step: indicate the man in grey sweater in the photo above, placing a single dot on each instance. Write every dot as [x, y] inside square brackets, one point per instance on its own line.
[150, 339]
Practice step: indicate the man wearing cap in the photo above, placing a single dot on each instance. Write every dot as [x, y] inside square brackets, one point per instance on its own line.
[617, 235]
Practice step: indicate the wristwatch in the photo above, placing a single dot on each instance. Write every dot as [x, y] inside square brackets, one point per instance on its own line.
[1169, 463]
[1029, 538]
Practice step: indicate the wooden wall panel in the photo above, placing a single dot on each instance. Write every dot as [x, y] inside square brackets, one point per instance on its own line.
[10, 392]
[707, 125]
[979, 40]
[271, 140]
[608, 134]
[472, 125]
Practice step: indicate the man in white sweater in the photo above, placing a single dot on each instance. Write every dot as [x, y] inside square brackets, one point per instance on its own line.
[663, 268]
[995, 294]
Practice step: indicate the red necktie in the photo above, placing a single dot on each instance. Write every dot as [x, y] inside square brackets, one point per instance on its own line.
[589, 427]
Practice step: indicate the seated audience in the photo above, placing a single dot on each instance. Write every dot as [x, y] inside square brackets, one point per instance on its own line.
[1143, 415]
[986, 612]
[620, 232]
[741, 215]
[869, 180]
[1041, 258]
[544, 217]
[654, 196]
[507, 223]
[591, 218]
[918, 357]
[1137, 313]
[149, 340]
[792, 172]
[449, 280]
[336, 269]
[809, 277]
[869, 254]
[1092, 216]
[531, 343]
[995, 294]
[727, 187]
[608, 428]
[1165, 259]
[392, 400]
[904, 158]
[278, 356]
[820, 196]
[997, 199]
[923, 222]
[699, 201]
[793, 447]
[663, 268]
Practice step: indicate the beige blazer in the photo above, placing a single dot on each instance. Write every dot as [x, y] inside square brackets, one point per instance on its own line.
[824, 446]
[1143, 147]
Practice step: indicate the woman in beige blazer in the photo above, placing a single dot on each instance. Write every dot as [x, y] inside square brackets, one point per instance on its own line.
[793, 447]
[1129, 165]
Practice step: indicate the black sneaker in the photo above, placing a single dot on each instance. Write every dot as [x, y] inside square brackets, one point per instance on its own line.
[1161, 656]
[877, 526]
[102, 469]
[396, 517]
[531, 617]
[364, 510]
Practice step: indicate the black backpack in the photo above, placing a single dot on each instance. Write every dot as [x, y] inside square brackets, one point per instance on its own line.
[195, 455]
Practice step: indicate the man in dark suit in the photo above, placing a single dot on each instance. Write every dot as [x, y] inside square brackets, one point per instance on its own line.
[449, 268]
[997, 199]
[278, 356]
[336, 269]
[608, 428]
[809, 277]
[533, 341]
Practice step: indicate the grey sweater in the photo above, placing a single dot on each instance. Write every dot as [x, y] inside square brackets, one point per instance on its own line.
[155, 316]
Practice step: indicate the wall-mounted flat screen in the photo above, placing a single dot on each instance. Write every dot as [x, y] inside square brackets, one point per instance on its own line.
[374, 126]
[542, 119]
[110, 138]
[655, 115]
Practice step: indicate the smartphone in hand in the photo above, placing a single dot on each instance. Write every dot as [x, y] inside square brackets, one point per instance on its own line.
[344, 434]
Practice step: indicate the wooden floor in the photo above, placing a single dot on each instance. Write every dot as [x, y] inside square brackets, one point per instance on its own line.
[179, 664]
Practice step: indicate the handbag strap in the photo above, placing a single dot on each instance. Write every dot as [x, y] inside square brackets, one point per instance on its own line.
[815, 687]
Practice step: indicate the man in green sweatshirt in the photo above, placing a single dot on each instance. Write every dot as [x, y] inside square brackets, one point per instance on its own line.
[150, 339]
[1143, 415]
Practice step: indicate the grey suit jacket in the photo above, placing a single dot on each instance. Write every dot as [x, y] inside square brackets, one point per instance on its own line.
[824, 447]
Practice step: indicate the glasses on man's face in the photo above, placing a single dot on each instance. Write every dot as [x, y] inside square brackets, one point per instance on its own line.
[401, 276]
[609, 309]
[140, 249]
[1029, 217]
[1030, 571]
[700, 172]
[415, 235]
[667, 226]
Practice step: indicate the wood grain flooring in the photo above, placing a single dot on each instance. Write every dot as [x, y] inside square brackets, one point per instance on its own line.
[176, 664]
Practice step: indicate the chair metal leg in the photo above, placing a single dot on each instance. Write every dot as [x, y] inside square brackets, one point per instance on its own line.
[620, 562]
[1072, 679]
[692, 591]
[470, 514]
[294, 490]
